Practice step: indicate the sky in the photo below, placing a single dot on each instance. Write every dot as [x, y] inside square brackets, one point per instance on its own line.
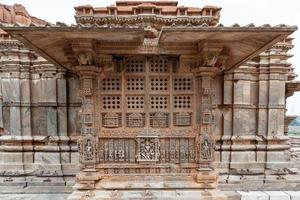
[244, 12]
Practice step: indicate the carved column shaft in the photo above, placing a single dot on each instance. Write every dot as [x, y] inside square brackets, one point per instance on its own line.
[88, 144]
[206, 175]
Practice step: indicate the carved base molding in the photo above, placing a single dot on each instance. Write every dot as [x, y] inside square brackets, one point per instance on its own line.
[208, 178]
[148, 187]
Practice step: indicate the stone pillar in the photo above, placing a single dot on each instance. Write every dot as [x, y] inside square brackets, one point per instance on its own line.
[211, 59]
[88, 142]
[206, 175]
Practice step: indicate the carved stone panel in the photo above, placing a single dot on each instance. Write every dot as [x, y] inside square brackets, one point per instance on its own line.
[135, 120]
[111, 120]
[87, 146]
[182, 119]
[159, 120]
[206, 148]
[148, 149]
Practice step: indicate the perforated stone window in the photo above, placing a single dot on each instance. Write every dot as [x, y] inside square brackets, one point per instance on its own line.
[159, 65]
[135, 102]
[135, 83]
[147, 92]
[182, 83]
[182, 102]
[159, 102]
[133, 65]
[159, 83]
[111, 84]
[111, 102]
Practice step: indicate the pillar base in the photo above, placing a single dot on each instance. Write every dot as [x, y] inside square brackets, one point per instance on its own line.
[207, 178]
[87, 179]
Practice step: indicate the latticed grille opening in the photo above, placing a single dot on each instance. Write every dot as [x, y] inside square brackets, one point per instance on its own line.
[111, 102]
[159, 83]
[135, 83]
[111, 84]
[147, 92]
[159, 65]
[182, 83]
[159, 102]
[134, 65]
[182, 102]
[135, 102]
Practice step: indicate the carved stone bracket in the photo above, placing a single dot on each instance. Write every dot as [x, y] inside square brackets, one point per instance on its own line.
[211, 54]
[291, 88]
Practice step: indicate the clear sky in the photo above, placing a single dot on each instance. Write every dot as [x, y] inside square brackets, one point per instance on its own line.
[234, 11]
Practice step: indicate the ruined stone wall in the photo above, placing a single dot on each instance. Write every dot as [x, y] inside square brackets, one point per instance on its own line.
[38, 120]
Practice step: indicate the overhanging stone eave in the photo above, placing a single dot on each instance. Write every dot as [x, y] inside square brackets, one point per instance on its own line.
[59, 37]
[251, 40]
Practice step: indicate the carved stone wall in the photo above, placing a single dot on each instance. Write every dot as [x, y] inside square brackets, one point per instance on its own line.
[250, 123]
[39, 122]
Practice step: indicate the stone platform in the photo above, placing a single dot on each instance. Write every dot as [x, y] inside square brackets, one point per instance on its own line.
[149, 187]
[171, 194]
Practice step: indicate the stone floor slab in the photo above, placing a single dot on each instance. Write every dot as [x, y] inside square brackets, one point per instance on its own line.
[295, 195]
[277, 195]
[253, 195]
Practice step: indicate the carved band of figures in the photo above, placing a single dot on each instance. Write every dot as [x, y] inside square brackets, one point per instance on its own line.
[163, 150]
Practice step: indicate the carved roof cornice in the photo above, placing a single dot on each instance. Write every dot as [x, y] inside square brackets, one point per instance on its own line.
[161, 13]
[11, 43]
[147, 20]
[242, 43]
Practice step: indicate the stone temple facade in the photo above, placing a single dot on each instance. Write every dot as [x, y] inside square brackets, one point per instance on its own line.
[144, 100]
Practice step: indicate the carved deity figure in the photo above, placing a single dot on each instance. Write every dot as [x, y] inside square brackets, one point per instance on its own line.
[89, 150]
[206, 150]
[148, 150]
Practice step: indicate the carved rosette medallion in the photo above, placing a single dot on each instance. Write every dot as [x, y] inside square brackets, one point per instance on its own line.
[147, 148]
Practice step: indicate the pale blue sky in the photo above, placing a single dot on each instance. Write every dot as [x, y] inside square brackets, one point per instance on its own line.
[234, 11]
